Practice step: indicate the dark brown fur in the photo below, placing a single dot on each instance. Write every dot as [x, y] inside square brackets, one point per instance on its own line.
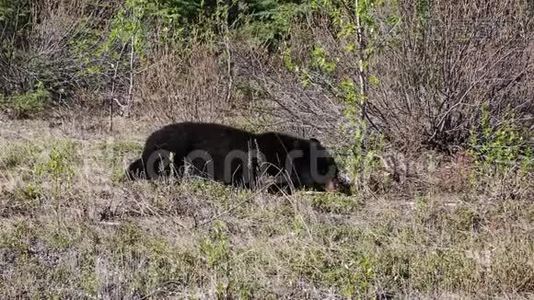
[288, 158]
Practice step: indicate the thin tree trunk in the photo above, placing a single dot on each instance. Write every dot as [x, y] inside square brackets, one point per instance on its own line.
[130, 90]
[362, 70]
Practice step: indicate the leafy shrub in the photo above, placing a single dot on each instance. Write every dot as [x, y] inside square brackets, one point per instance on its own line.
[50, 50]
[58, 165]
[500, 148]
[27, 104]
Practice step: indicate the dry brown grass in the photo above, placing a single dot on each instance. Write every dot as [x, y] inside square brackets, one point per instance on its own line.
[71, 227]
[184, 86]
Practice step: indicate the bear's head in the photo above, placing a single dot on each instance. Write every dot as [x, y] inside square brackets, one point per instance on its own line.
[314, 167]
[135, 170]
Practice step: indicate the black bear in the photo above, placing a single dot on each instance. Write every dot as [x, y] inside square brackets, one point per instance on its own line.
[237, 157]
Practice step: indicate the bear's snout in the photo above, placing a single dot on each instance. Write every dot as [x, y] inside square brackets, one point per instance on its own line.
[338, 184]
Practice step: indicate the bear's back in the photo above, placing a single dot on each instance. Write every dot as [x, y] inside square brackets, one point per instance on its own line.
[191, 136]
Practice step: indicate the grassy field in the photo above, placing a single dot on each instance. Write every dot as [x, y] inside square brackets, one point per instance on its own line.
[71, 227]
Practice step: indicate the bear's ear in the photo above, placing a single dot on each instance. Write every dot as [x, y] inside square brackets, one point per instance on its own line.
[315, 141]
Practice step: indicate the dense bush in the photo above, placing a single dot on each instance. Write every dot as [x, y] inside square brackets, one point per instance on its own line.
[419, 71]
[52, 46]
[415, 73]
